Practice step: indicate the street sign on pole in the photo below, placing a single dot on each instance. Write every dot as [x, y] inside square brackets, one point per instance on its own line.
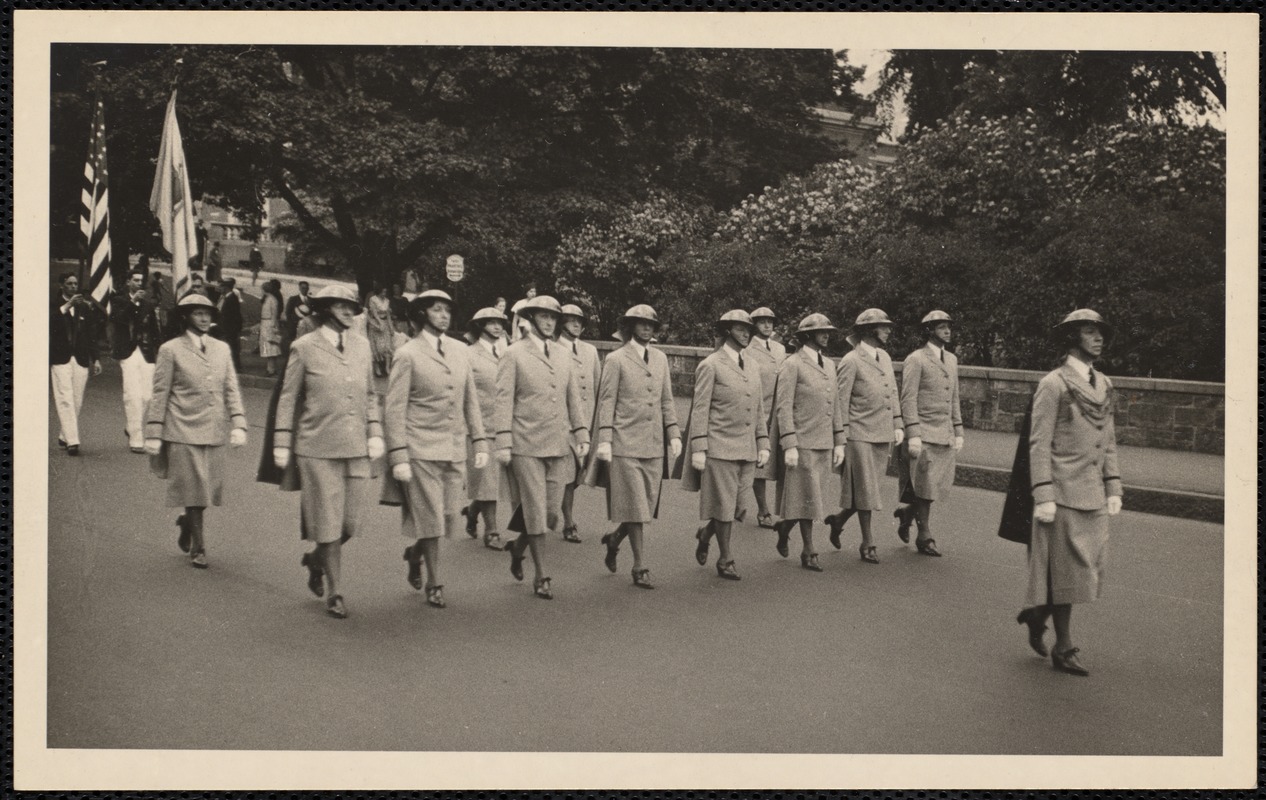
[455, 268]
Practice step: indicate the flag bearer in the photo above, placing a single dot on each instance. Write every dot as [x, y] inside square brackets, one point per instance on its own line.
[727, 436]
[540, 414]
[872, 421]
[636, 417]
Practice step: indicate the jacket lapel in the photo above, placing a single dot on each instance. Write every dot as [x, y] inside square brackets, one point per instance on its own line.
[871, 360]
[732, 364]
[193, 347]
[933, 356]
[811, 358]
[430, 350]
[630, 352]
[324, 344]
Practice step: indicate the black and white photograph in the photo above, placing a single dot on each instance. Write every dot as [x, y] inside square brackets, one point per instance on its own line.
[539, 400]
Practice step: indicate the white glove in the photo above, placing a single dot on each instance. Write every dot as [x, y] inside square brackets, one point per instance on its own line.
[281, 457]
[898, 436]
[237, 437]
[1114, 505]
[481, 460]
[791, 457]
[674, 447]
[837, 456]
[153, 446]
[603, 453]
[699, 461]
[377, 448]
[1044, 512]
[915, 446]
[402, 472]
[503, 457]
[958, 443]
[96, 368]
[762, 458]
[582, 450]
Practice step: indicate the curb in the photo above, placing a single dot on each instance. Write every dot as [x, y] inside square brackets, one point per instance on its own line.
[1166, 502]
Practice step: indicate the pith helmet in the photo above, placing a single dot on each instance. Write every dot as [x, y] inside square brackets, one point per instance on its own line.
[763, 312]
[872, 316]
[486, 315]
[191, 301]
[1084, 316]
[641, 312]
[814, 322]
[334, 293]
[730, 317]
[934, 317]
[572, 310]
[542, 302]
[419, 304]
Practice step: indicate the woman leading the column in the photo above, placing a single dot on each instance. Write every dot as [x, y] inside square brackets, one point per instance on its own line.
[327, 414]
[1076, 486]
[809, 434]
[195, 406]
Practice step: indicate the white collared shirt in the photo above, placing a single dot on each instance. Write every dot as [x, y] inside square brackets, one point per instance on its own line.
[199, 339]
[936, 351]
[729, 350]
[491, 346]
[1083, 369]
[769, 348]
[536, 340]
[431, 339]
[866, 350]
[638, 348]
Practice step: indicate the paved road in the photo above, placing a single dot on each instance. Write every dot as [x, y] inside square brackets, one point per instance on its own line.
[914, 655]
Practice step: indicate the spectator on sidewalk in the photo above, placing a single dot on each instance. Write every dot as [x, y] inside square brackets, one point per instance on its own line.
[379, 330]
[228, 328]
[256, 264]
[270, 325]
[399, 308]
[297, 309]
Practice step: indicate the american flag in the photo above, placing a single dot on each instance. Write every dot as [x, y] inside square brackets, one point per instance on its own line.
[94, 212]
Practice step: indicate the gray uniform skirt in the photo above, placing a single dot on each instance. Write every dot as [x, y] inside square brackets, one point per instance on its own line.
[932, 473]
[334, 493]
[633, 495]
[801, 490]
[195, 474]
[864, 464]
[538, 483]
[433, 499]
[1067, 557]
[481, 484]
[720, 485]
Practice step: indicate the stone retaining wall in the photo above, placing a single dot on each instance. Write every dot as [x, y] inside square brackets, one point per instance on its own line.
[1151, 412]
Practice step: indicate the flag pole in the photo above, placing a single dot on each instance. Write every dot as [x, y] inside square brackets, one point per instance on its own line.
[94, 86]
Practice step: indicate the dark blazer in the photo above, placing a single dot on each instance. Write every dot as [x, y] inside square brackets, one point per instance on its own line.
[229, 325]
[73, 334]
[135, 325]
[292, 315]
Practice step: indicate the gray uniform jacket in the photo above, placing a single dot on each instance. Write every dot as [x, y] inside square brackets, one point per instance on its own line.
[868, 394]
[635, 404]
[929, 396]
[1072, 455]
[335, 394]
[539, 407]
[196, 395]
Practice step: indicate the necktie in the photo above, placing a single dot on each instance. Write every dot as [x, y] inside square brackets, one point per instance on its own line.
[768, 349]
[1092, 379]
[740, 361]
[877, 361]
[646, 356]
[574, 349]
[821, 365]
[439, 347]
[494, 351]
[546, 349]
[942, 355]
[340, 341]
[202, 342]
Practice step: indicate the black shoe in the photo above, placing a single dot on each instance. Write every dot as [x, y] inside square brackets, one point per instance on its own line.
[928, 547]
[726, 570]
[61, 443]
[642, 579]
[414, 576]
[570, 535]
[612, 551]
[315, 583]
[810, 562]
[472, 522]
[72, 449]
[701, 550]
[1067, 662]
[1037, 628]
[335, 608]
[516, 563]
[904, 521]
[784, 534]
[540, 588]
[836, 523]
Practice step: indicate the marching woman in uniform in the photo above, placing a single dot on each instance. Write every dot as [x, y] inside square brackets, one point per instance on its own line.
[327, 421]
[195, 405]
[809, 431]
[872, 422]
[767, 356]
[432, 407]
[934, 430]
[636, 414]
[588, 369]
[539, 416]
[727, 437]
[1076, 486]
[483, 486]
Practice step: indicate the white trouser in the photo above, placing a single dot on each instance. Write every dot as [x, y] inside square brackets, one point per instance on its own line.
[69, 381]
[138, 386]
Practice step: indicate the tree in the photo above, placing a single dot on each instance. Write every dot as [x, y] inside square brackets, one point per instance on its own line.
[398, 156]
[1070, 91]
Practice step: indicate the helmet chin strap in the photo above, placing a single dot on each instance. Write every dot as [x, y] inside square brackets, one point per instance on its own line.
[334, 322]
